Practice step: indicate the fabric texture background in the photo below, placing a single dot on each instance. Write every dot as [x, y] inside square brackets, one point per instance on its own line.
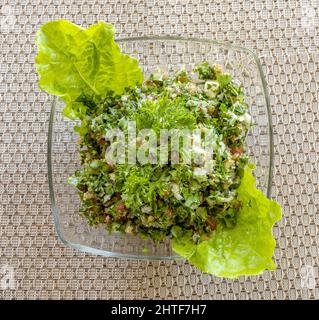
[285, 36]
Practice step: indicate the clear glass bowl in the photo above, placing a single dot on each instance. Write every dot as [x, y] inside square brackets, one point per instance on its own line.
[170, 53]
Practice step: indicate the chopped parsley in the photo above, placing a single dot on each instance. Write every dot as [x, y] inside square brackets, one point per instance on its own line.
[166, 200]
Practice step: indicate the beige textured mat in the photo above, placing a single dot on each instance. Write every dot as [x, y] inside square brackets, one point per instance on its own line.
[283, 33]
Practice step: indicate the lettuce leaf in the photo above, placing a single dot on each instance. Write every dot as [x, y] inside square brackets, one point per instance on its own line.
[72, 61]
[247, 249]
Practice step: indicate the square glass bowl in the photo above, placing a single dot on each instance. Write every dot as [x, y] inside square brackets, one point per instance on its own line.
[171, 54]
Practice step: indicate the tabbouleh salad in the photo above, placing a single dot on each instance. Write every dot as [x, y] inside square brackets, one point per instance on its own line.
[211, 210]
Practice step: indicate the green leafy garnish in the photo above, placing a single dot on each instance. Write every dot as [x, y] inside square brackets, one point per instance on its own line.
[73, 61]
[246, 249]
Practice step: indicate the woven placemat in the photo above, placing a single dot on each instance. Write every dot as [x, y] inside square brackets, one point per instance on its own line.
[285, 36]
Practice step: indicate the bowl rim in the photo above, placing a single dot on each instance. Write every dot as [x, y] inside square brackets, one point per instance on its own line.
[54, 210]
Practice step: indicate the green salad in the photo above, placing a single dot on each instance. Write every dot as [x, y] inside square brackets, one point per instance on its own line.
[144, 167]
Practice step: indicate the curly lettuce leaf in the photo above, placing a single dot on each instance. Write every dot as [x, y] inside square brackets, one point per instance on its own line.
[247, 249]
[73, 61]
